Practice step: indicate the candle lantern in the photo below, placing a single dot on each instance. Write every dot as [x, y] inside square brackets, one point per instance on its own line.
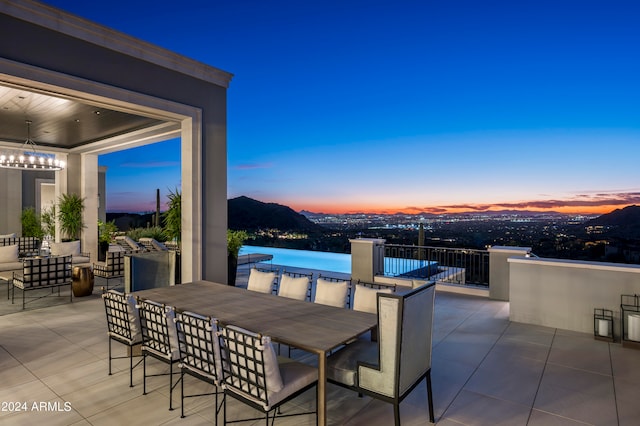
[630, 320]
[603, 324]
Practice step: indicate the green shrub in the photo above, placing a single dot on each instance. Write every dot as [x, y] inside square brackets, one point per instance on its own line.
[155, 232]
[107, 231]
[31, 226]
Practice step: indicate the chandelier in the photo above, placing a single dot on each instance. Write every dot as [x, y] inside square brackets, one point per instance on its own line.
[28, 158]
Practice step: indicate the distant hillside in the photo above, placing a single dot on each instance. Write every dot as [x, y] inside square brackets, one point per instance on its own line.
[621, 223]
[249, 214]
[628, 216]
[127, 221]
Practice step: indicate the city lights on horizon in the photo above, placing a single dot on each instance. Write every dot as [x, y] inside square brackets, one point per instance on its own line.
[378, 209]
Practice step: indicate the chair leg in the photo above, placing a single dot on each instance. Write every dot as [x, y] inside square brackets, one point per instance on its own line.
[130, 366]
[224, 410]
[109, 355]
[430, 397]
[170, 386]
[215, 410]
[182, 394]
[396, 413]
[144, 374]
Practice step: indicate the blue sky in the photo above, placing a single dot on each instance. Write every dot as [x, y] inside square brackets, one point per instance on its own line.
[406, 105]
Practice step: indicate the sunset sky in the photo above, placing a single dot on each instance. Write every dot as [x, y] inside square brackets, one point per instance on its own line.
[387, 106]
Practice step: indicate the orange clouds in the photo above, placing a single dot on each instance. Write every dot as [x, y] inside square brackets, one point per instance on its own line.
[597, 203]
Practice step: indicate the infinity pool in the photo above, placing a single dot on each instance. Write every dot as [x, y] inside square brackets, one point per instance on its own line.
[339, 262]
[324, 261]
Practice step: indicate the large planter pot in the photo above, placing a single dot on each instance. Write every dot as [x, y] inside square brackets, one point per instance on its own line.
[103, 248]
[82, 281]
[232, 269]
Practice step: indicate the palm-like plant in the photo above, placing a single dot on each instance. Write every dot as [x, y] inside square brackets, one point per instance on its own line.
[70, 207]
[48, 219]
[173, 216]
[235, 240]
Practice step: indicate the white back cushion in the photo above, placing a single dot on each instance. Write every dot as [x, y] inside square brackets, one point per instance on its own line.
[364, 298]
[134, 318]
[173, 332]
[65, 249]
[382, 379]
[9, 254]
[270, 360]
[12, 235]
[331, 293]
[259, 281]
[293, 288]
[417, 329]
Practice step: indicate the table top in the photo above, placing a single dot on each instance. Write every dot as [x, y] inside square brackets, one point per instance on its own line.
[309, 326]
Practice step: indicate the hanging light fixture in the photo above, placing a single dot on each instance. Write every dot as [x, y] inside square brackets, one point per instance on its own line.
[28, 158]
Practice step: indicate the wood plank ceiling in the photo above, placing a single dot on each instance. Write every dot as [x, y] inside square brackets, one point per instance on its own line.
[58, 122]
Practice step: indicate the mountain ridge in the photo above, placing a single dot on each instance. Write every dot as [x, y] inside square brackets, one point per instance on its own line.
[248, 214]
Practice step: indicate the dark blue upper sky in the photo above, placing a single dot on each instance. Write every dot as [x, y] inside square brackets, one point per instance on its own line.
[400, 105]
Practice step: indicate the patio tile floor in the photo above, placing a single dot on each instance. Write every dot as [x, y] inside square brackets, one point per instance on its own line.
[486, 371]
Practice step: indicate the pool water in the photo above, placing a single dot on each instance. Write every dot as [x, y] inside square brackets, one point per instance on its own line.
[339, 262]
[324, 261]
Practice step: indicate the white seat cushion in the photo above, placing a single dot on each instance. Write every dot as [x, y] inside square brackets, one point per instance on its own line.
[331, 293]
[295, 375]
[81, 261]
[342, 366]
[293, 288]
[262, 282]
[364, 298]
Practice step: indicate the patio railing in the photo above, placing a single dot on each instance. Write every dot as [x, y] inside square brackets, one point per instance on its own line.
[448, 265]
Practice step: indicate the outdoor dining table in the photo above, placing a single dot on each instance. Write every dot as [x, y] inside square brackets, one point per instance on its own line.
[312, 327]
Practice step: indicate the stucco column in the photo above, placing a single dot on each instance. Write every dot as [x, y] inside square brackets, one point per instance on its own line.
[367, 258]
[499, 269]
[11, 206]
[62, 185]
[102, 193]
[90, 194]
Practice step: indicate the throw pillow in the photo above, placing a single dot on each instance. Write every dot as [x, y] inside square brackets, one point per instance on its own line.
[65, 249]
[293, 287]
[365, 298]
[331, 293]
[261, 282]
[9, 254]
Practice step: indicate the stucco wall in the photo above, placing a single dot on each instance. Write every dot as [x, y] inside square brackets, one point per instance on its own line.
[563, 293]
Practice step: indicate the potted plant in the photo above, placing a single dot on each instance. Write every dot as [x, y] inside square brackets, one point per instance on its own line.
[106, 231]
[31, 226]
[235, 240]
[70, 207]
